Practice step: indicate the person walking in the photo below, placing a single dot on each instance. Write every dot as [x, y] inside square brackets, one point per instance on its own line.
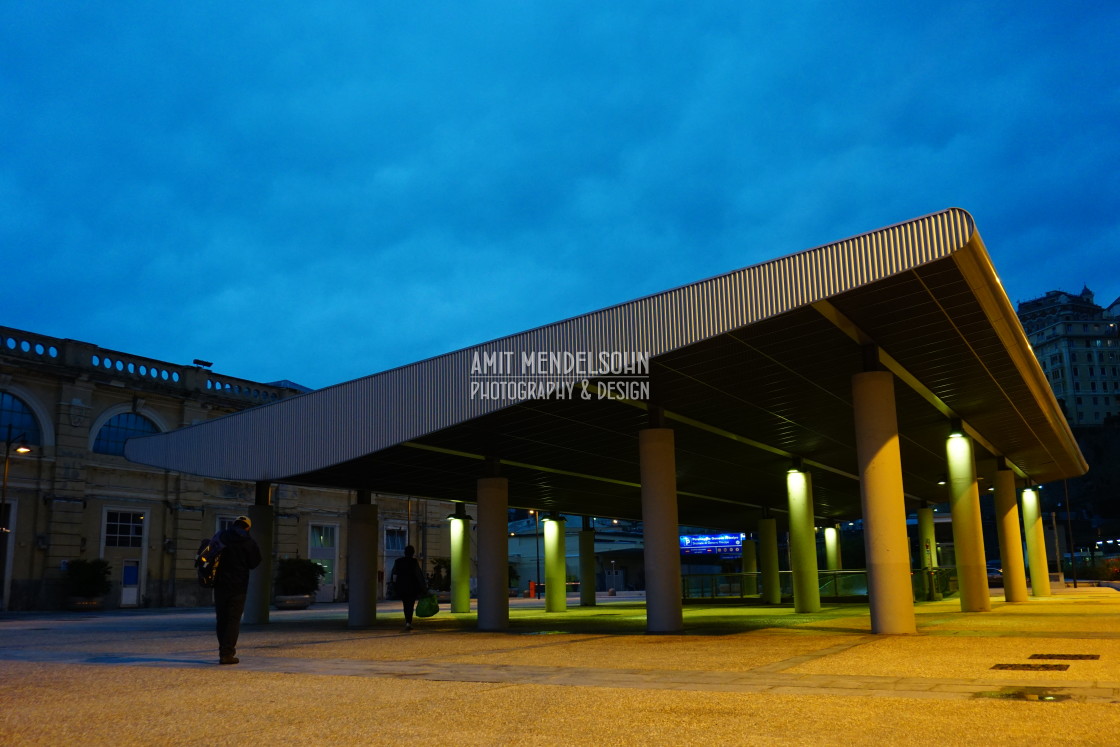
[408, 582]
[240, 554]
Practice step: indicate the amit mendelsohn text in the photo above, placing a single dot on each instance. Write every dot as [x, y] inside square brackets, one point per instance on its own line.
[584, 363]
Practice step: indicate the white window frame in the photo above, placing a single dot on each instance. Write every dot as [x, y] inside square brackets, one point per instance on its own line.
[142, 551]
[337, 541]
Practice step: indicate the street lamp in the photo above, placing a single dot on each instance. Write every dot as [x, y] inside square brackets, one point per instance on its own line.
[21, 448]
[537, 544]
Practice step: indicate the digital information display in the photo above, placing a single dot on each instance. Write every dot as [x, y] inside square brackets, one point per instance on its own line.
[726, 545]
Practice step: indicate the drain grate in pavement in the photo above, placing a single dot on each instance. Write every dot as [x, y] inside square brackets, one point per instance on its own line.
[1033, 667]
[1029, 693]
[1066, 657]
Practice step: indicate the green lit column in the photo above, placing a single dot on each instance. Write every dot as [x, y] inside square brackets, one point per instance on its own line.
[587, 564]
[362, 545]
[493, 554]
[1036, 544]
[750, 568]
[968, 536]
[660, 533]
[555, 564]
[1010, 539]
[768, 561]
[259, 597]
[927, 538]
[460, 525]
[803, 542]
[832, 548]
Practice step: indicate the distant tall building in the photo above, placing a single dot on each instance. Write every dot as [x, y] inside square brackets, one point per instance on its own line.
[1077, 343]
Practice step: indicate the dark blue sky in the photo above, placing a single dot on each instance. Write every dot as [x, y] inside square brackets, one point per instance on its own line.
[319, 191]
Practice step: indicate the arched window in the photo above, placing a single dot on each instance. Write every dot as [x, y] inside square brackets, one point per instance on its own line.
[120, 428]
[14, 413]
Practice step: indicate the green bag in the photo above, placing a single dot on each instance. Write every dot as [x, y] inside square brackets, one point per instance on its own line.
[427, 606]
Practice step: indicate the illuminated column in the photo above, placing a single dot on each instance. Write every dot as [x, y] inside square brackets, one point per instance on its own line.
[587, 564]
[1010, 539]
[927, 538]
[660, 531]
[750, 566]
[361, 610]
[460, 525]
[259, 596]
[968, 537]
[803, 542]
[832, 548]
[555, 566]
[493, 554]
[1036, 545]
[889, 588]
[768, 561]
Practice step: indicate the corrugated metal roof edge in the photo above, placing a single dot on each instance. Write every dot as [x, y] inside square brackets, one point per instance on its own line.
[195, 449]
[978, 271]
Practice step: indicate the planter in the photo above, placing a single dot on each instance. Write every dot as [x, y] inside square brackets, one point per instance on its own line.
[292, 601]
[85, 604]
[87, 583]
[296, 581]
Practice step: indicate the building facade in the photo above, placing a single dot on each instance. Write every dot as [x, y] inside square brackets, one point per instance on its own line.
[1077, 343]
[74, 495]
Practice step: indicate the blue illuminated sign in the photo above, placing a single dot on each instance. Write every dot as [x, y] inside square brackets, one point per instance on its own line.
[712, 544]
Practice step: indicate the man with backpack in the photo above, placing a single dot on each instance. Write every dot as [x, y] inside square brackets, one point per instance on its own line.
[239, 554]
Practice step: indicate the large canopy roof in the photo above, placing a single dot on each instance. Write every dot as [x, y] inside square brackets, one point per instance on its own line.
[750, 369]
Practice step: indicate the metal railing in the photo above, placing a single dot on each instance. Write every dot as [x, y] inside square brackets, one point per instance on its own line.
[850, 585]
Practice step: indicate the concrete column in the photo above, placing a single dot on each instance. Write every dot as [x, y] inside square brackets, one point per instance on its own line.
[361, 575]
[587, 564]
[968, 536]
[260, 580]
[493, 554]
[750, 566]
[555, 565]
[460, 526]
[660, 535]
[927, 538]
[889, 587]
[1036, 544]
[768, 561]
[1010, 539]
[832, 548]
[803, 543]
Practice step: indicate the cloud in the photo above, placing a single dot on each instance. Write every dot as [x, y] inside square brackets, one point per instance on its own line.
[320, 192]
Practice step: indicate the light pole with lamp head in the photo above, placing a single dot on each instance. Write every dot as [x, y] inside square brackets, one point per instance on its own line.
[21, 448]
[537, 547]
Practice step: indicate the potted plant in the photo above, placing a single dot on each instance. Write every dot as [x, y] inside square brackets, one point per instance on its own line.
[297, 580]
[87, 583]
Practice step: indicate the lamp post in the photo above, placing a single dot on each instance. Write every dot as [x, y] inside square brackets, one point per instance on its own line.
[21, 448]
[537, 546]
[1069, 528]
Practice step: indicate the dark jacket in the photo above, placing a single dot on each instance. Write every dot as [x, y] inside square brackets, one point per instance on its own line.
[408, 578]
[240, 555]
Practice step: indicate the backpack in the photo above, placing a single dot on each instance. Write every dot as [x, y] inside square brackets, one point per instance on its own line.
[206, 561]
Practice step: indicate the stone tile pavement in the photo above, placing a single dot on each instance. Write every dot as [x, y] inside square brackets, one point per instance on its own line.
[754, 675]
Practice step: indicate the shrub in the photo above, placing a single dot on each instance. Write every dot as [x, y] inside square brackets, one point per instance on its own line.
[298, 576]
[87, 578]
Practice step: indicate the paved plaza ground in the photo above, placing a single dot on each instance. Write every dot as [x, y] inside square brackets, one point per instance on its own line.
[591, 676]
